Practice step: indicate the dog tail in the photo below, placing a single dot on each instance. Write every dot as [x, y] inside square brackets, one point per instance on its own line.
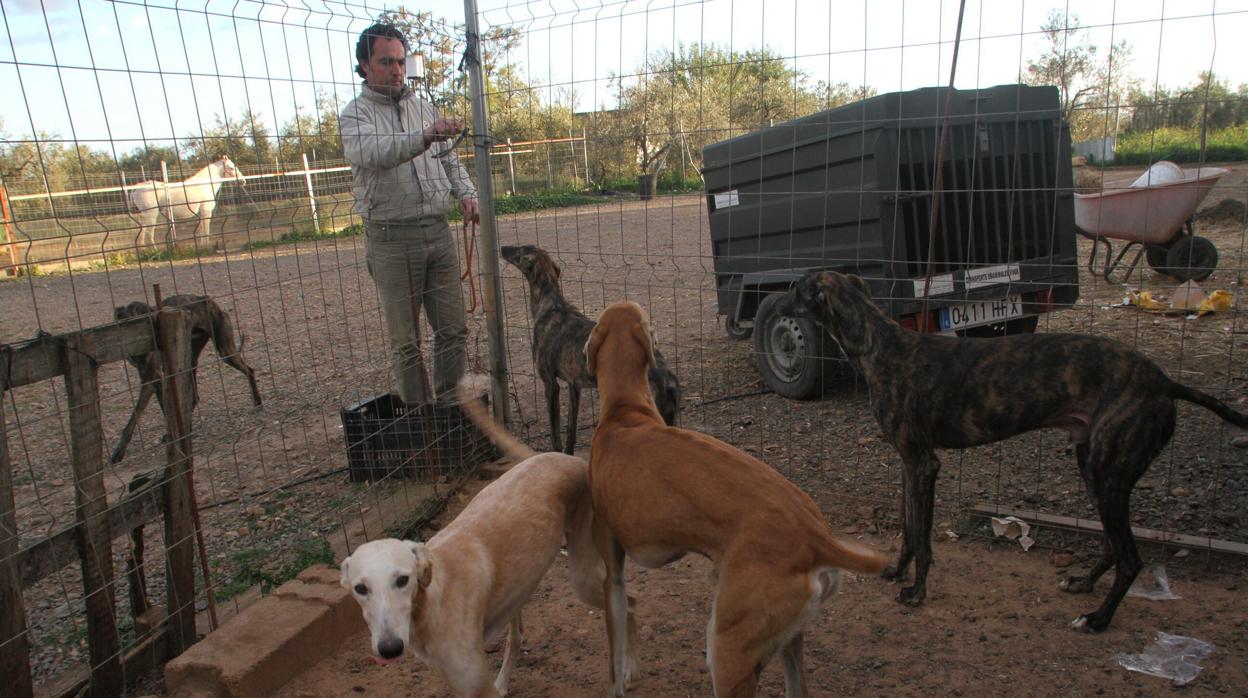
[1209, 402]
[855, 557]
[503, 439]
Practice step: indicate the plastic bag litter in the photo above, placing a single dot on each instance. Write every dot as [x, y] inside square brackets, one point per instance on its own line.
[1013, 528]
[1219, 301]
[1216, 301]
[1171, 657]
[1152, 584]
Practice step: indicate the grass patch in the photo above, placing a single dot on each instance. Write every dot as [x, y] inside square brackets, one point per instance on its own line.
[306, 235]
[256, 566]
[1181, 145]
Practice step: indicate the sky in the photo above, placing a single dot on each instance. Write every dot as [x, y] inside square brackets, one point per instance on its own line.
[115, 75]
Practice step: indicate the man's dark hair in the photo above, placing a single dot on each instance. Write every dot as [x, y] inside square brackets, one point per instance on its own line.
[364, 47]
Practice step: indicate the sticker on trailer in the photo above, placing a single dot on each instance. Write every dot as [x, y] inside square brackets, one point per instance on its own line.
[941, 284]
[991, 276]
[727, 199]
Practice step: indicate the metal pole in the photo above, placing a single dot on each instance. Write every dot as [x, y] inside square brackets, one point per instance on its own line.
[171, 234]
[585, 152]
[572, 148]
[493, 300]
[307, 174]
[511, 167]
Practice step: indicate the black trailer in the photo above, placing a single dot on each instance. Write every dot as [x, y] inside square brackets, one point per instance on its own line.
[851, 189]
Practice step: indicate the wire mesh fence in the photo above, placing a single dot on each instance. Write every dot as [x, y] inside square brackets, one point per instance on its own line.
[695, 158]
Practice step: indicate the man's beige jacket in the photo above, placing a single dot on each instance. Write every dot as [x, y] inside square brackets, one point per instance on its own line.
[394, 178]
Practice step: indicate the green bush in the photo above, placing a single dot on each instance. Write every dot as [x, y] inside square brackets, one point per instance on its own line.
[669, 183]
[1181, 145]
[524, 203]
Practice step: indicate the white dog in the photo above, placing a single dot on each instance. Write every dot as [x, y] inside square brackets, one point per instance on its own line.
[446, 599]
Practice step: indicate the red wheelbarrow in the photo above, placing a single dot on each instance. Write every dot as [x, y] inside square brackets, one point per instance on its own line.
[1154, 212]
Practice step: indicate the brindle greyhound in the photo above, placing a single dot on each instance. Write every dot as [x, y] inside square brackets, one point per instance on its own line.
[931, 391]
[208, 322]
[559, 334]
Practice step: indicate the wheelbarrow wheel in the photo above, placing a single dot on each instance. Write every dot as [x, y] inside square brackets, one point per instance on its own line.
[1156, 256]
[1191, 257]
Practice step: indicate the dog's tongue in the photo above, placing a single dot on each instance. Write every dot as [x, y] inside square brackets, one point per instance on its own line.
[385, 662]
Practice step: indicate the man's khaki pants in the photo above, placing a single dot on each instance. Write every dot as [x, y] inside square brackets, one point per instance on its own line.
[416, 265]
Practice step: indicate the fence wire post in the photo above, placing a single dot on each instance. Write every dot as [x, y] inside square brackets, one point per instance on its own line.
[307, 175]
[489, 238]
[171, 233]
[14, 636]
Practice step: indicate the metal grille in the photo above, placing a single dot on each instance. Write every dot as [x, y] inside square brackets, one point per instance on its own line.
[998, 199]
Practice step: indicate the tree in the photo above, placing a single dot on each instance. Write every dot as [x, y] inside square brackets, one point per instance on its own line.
[685, 98]
[1092, 88]
[146, 160]
[314, 134]
[245, 140]
[1207, 103]
[435, 41]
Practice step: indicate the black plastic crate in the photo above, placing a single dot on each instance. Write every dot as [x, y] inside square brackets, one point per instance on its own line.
[386, 438]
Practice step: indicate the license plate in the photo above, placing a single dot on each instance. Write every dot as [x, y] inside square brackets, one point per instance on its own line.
[957, 317]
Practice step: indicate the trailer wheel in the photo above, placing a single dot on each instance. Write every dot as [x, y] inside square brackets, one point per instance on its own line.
[1156, 256]
[736, 330]
[1192, 257]
[789, 351]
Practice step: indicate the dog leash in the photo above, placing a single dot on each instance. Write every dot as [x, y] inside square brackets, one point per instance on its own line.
[470, 246]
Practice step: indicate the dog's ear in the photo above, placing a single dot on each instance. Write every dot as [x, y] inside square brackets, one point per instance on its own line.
[345, 577]
[592, 345]
[424, 566]
[643, 337]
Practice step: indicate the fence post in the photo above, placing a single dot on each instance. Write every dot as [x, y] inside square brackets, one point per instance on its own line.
[171, 233]
[493, 300]
[175, 354]
[576, 179]
[511, 167]
[14, 640]
[585, 152]
[307, 175]
[95, 546]
[7, 235]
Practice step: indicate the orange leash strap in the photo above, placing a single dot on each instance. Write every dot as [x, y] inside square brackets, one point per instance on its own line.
[470, 247]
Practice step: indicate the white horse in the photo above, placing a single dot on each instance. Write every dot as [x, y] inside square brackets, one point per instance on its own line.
[195, 197]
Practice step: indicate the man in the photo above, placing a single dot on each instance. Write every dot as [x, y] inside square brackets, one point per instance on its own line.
[405, 179]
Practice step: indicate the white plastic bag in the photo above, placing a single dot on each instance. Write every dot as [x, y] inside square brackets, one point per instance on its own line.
[1152, 584]
[1171, 657]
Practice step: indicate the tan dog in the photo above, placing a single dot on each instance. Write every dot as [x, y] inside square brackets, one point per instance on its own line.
[448, 598]
[660, 492]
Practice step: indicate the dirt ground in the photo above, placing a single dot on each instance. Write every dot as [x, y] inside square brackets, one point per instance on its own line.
[272, 478]
[994, 624]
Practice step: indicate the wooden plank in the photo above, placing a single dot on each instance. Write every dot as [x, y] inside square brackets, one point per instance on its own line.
[141, 660]
[14, 641]
[175, 339]
[94, 542]
[39, 559]
[1147, 535]
[41, 358]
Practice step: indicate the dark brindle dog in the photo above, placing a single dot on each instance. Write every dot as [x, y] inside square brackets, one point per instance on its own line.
[559, 335]
[931, 391]
[208, 322]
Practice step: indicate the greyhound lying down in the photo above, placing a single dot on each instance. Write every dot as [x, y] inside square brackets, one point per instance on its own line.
[446, 599]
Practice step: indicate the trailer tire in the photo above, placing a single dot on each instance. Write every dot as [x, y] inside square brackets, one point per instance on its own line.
[790, 352]
[736, 331]
[1192, 257]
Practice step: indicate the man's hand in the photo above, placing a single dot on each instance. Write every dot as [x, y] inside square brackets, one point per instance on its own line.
[441, 130]
[468, 205]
